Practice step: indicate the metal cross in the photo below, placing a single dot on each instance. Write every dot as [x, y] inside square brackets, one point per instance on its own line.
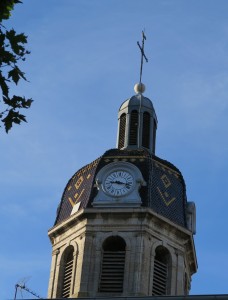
[142, 54]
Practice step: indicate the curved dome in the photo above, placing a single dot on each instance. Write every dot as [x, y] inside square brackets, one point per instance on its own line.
[164, 192]
[135, 101]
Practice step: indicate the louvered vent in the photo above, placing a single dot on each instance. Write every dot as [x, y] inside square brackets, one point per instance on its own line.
[112, 273]
[133, 134]
[112, 269]
[160, 278]
[122, 131]
[146, 130]
[67, 275]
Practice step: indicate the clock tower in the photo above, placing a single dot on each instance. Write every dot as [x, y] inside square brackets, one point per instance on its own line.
[124, 226]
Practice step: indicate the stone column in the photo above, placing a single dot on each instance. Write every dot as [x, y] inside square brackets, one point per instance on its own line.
[151, 273]
[52, 281]
[139, 249]
[179, 273]
[87, 267]
[97, 256]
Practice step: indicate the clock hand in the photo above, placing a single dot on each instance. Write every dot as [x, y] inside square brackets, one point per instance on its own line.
[117, 182]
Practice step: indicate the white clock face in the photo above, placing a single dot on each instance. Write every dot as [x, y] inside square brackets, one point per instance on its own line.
[118, 183]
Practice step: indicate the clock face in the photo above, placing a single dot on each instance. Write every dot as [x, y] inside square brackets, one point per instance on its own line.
[118, 183]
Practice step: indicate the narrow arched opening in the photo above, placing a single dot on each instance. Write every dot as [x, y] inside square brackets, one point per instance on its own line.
[154, 136]
[113, 263]
[162, 272]
[146, 130]
[133, 132]
[67, 271]
[122, 129]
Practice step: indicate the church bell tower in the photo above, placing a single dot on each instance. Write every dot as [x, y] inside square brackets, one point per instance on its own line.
[124, 226]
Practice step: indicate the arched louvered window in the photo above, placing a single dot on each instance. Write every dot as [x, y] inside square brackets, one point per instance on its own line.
[146, 130]
[67, 271]
[112, 268]
[133, 134]
[161, 276]
[122, 129]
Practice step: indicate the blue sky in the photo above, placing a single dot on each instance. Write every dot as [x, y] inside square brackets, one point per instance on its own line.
[84, 63]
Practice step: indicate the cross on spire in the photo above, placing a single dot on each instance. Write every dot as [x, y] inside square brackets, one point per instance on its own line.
[142, 54]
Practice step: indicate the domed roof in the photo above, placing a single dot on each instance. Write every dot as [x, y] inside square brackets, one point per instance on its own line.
[135, 101]
[164, 192]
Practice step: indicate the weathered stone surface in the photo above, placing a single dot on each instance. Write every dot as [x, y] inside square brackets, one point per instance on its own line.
[143, 231]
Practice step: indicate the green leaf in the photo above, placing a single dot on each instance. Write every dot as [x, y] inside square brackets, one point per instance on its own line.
[16, 74]
[2, 38]
[14, 102]
[16, 41]
[6, 6]
[21, 74]
[17, 102]
[22, 118]
[6, 100]
[12, 117]
[5, 9]
[12, 50]
[26, 103]
[7, 57]
[3, 85]
[8, 121]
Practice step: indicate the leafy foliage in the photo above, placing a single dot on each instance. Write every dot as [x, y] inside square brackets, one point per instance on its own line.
[12, 52]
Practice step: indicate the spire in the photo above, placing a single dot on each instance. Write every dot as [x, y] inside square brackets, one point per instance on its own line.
[137, 121]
